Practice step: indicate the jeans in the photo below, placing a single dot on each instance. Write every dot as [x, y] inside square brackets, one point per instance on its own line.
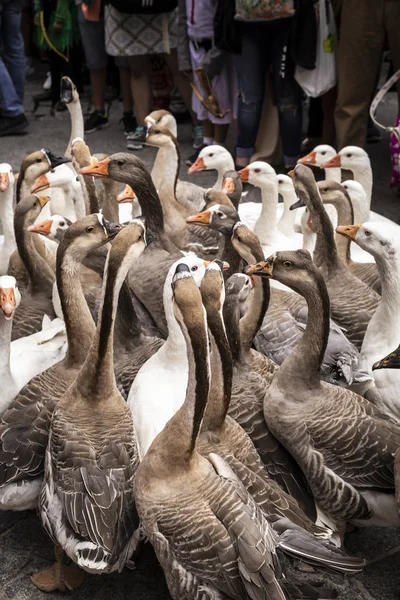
[265, 44]
[12, 60]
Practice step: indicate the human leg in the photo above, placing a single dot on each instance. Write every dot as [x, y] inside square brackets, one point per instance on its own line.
[12, 62]
[182, 82]
[141, 93]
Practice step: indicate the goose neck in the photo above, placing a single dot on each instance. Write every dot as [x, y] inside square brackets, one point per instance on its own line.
[7, 217]
[287, 221]
[333, 174]
[325, 252]
[389, 272]
[345, 216]
[77, 124]
[149, 201]
[231, 313]
[5, 348]
[252, 320]
[363, 175]
[266, 227]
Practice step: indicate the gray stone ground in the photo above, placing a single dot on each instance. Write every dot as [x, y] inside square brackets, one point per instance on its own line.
[25, 549]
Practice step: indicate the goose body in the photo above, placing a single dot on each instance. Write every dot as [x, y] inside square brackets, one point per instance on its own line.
[7, 240]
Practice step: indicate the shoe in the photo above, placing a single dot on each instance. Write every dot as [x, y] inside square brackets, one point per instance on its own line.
[192, 159]
[95, 121]
[47, 81]
[29, 66]
[136, 140]
[13, 125]
[197, 134]
[129, 122]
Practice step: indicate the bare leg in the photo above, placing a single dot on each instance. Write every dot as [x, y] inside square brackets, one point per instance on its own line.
[220, 133]
[59, 576]
[98, 81]
[125, 82]
[140, 86]
[208, 129]
[182, 82]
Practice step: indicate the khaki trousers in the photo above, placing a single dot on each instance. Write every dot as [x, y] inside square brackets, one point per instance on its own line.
[364, 26]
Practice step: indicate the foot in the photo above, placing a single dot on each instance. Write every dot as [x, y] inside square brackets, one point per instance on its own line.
[193, 157]
[97, 120]
[13, 125]
[197, 134]
[52, 579]
[129, 122]
[136, 140]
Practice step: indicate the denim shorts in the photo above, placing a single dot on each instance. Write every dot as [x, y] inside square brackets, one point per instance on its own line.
[92, 35]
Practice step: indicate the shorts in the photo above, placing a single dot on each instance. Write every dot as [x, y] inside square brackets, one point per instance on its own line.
[93, 41]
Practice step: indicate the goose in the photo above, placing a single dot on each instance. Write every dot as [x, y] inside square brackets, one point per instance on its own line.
[7, 240]
[192, 508]
[24, 425]
[343, 444]
[53, 228]
[309, 237]
[81, 157]
[320, 155]
[72, 205]
[156, 261]
[286, 223]
[335, 194]
[391, 361]
[91, 457]
[351, 312]
[69, 95]
[383, 331]
[37, 300]
[233, 187]
[10, 298]
[214, 158]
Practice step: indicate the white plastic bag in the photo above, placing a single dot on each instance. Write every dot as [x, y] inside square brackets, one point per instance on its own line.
[316, 82]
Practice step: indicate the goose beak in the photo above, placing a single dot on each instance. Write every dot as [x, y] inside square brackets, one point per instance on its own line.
[43, 200]
[252, 281]
[310, 223]
[263, 268]
[349, 231]
[8, 303]
[333, 162]
[391, 361]
[66, 90]
[127, 195]
[229, 186]
[99, 169]
[4, 181]
[149, 121]
[203, 218]
[199, 165]
[298, 204]
[244, 174]
[112, 229]
[55, 161]
[41, 183]
[291, 173]
[43, 228]
[309, 159]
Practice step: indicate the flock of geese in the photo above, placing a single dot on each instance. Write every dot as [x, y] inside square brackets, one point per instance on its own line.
[181, 366]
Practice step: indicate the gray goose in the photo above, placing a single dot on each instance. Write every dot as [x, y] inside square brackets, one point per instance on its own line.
[208, 533]
[335, 194]
[344, 445]
[37, 299]
[87, 501]
[351, 311]
[24, 426]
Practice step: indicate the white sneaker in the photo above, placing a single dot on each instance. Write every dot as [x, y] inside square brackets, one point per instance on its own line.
[47, 82]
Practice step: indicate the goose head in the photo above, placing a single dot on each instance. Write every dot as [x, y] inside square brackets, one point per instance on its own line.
[127, 195]
[285, 184]
[232, 186]
[238, 287]
[259, 174]
[350, 158]
[391, 361]
[87, 234]
[213, 157]
[120, 166]
[213, 197]
[246, 242]
[159, 136]
[129, 244]
[379, 239]
[355, 190]
[293, 268]
[58, 177]
[54, 228]
[192, 264]
[39, 162]
[10, 296]
[29, 208]
[163, 119]
[6, 177]
[317, 157]
[68, 91]
[305, 186]
[212, 287]
[81, 152]
[218, 217]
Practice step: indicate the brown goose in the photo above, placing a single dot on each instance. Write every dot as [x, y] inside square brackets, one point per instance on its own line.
[87, 501]
[344, 445]
[24, 426]
[352, 311]
[81, 157]
[335, 194]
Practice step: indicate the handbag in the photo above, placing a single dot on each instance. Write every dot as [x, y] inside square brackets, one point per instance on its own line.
[226, 29]
[144, 7]
[263, 10]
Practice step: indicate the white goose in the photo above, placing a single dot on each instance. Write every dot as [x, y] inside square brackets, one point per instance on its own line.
[7, 240]
[72, 205]
[320, 155]
[286, 224]
[214, 158]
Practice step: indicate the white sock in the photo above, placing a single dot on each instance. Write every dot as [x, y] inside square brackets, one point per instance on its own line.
[208, 141]
[218, 143]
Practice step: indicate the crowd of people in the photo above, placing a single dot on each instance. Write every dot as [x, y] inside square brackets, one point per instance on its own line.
[221, 65]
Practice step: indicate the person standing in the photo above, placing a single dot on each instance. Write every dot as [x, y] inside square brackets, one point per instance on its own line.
[12, 69]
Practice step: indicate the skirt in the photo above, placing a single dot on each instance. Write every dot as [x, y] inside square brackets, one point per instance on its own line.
[135, 35]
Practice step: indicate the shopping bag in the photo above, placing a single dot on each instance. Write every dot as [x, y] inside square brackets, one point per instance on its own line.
[263, 10]
[316, 82]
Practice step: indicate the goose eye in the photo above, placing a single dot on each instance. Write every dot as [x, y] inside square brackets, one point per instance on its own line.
[194, 268]
[210, 155]
[34, 204]
[62, 223]
[38, 160]
[279, 182]
[246, 283]
[323, 153]
[349, 155]
[257, 170]
[220, 215]
[287, 263]
[120, 162]
[367, 232]
[89, 229]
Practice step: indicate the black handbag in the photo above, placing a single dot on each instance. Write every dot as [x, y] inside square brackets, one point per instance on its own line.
[226, 29]
[144, 7]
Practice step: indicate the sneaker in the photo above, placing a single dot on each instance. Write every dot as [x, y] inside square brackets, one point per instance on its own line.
[47, 81]
[13, 125]
[95, 121]
[136, 140]
[129, 122]
[192, 159]
[197, 134]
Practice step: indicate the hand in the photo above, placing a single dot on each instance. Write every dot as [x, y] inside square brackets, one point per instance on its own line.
[57, 26]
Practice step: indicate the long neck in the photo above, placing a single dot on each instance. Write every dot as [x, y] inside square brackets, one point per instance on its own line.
[265, 226]
[325, 252]
[5, 341]
[41, 277]
[228, 254]
[77, 125]
[232, 319]
[364, 176]
[174, 346]
[221, 373]
[110, 204]
[389, 272]
[305, 361]
[227, 165]
[78, 320]
[7, 217]
[286, 223]
[78, 199]
[252, 321]
[345, 216]
[172, 209]
[128, 331]
[149, 202]
[333, 174]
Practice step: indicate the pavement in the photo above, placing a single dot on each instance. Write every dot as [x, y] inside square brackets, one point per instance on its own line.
[25, 548]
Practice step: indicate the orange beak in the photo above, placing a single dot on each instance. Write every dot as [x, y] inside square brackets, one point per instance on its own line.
[244, 174]
[43, 200]
[310, 159]
[43, 228]
[225, 265]
[197, 166]
[8, 302]
[291, 173]
[334, 162]
[127, 195]
[4, 181]
[99, 169]
[310, 223]
[229, 186]
[349, 231]
[203, 218]
[264, 268]
[41, 183]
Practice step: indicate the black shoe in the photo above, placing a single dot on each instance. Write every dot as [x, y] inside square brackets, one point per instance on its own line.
[13, 125]
[193, 157]
[95, 121]
[136, 140]
[129, 122]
